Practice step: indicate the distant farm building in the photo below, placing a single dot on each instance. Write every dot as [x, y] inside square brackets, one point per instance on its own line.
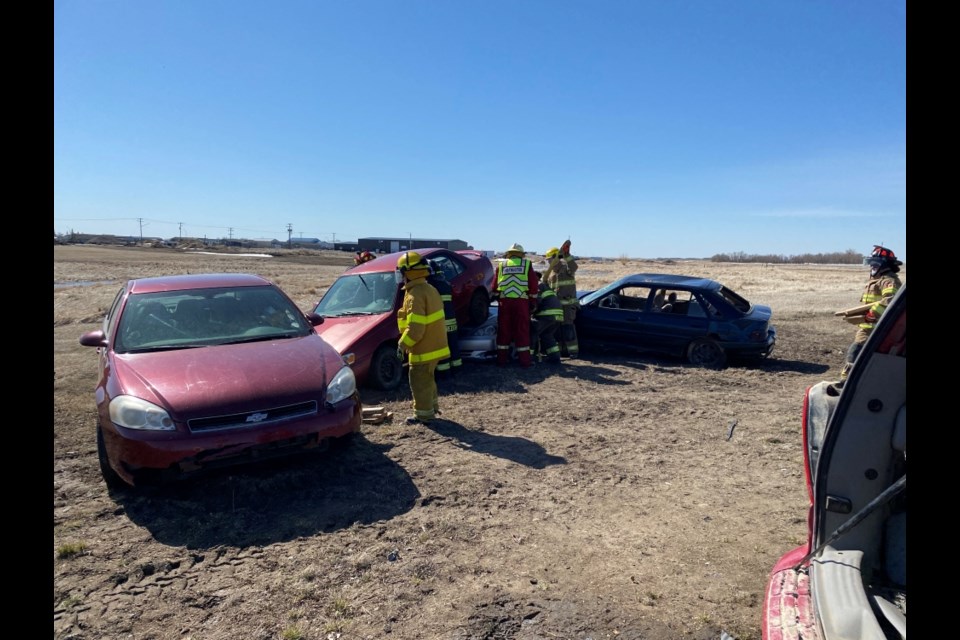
[391, 245]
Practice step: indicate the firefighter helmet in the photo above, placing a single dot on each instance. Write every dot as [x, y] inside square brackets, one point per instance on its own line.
[552, 252]
[412, 261]
[514, 249]
[882, 260]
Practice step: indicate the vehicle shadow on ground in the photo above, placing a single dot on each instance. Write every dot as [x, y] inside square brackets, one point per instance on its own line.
[513, 378]
[643, 361]
[513, 448]
[276, 501]
[791, 366]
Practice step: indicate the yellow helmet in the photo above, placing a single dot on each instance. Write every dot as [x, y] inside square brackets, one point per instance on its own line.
[515, 249]
[552, 252]
[411, 261]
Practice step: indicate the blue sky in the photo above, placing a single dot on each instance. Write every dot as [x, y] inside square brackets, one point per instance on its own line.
[637, 128]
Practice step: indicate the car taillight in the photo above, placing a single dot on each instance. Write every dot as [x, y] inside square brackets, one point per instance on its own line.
[806, 445]
[758, 336]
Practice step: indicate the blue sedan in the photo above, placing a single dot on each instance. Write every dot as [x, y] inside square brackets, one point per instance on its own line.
[693, 318]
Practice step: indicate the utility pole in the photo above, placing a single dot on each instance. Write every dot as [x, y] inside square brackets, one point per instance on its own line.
[289, 235]
[141, 230]
[180, 237]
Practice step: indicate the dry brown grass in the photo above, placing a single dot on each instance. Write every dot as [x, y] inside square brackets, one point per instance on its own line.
[601, 500]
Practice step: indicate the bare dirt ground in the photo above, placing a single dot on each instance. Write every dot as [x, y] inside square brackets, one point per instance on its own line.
[607, 499]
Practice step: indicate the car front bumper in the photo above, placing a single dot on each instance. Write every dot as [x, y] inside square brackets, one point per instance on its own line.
[140, 457]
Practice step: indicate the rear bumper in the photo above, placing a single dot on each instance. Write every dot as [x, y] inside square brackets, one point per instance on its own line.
[788, 612]
[753, 350]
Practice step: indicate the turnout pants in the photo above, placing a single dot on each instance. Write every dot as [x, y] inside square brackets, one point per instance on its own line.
[423, 387]
[513, 326]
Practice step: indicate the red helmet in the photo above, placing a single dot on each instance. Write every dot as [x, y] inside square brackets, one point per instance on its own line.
[363, 256]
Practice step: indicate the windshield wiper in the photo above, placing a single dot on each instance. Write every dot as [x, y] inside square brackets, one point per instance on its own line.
[166, 347]
[272, 336]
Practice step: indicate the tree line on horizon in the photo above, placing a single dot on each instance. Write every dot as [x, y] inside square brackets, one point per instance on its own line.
[845, 257]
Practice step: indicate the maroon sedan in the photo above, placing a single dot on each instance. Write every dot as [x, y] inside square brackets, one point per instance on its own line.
[208, 370]
[360, 309]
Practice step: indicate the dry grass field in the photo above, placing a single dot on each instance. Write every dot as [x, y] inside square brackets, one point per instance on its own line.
[604, 500]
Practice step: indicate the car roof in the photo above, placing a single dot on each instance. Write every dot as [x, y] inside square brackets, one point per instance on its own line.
[388, 261]
[669, 280]
[195, 281]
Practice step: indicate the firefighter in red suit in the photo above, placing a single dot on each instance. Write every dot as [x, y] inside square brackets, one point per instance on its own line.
[516, 289]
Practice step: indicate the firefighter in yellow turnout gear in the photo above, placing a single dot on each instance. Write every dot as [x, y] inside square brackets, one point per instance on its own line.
[560, 276]
[423, 335]
[883, 283]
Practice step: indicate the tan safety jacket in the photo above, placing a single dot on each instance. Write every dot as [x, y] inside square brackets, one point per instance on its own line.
[560, 276]
[879, 292]
[421, 322]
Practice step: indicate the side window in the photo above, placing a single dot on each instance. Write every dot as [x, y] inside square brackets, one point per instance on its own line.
[451, 269]
[635, 298]
[628, 298]
[695, 309]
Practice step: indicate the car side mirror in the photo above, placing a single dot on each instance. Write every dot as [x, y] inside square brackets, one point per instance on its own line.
[93, 339]
[315, 319]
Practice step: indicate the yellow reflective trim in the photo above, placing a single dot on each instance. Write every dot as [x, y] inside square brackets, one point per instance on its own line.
[438, 354]
[407, 340]
[421, 319]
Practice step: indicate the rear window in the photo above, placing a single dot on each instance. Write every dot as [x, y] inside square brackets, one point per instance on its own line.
[737, 301]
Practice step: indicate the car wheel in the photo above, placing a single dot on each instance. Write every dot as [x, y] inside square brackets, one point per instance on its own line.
[110, 477]
[386, 370]
[706, 353]
[479, 307]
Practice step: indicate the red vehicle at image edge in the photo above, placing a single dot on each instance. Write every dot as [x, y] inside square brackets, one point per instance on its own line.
[849, 580]
[360, 309]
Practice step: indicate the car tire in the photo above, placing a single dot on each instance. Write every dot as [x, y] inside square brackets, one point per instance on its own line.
[479, 309]
[386, 369]
[110, 477]
[705, 352]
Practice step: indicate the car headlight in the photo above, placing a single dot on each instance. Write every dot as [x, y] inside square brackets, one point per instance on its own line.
[137, 413]
[342, 386]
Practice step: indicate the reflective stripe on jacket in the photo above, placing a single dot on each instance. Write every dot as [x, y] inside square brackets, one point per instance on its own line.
[560, 276]
[879, 291]
[446, 295]
[513, 278]
[549, 304]
[421, 322]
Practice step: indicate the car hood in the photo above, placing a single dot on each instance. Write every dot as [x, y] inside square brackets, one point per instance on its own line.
[343, 332]
[237, 377]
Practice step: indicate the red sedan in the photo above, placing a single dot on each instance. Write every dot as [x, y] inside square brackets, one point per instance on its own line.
[360, 309]
[208, 370]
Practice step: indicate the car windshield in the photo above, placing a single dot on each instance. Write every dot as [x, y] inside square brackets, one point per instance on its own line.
[359, 294]
[204, 317]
